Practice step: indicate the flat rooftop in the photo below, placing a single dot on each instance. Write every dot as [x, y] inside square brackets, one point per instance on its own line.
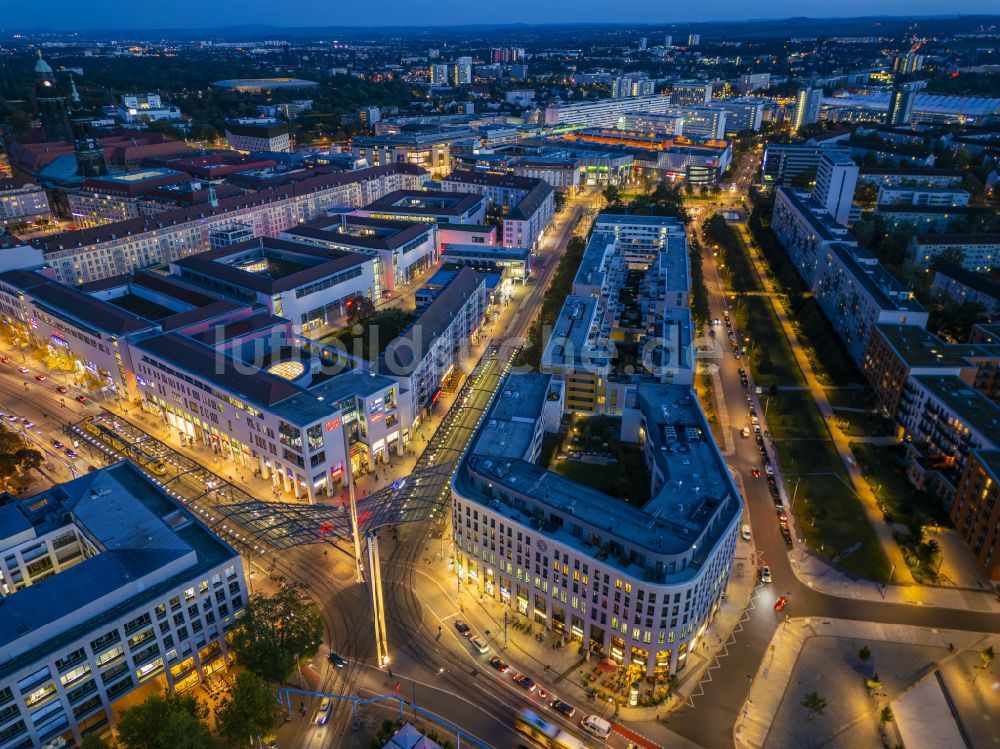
[486, 251]
[148, 544]
[427, 202]
[888, 292]
[569, 343]
[918, 348]
[970, 405]
[268, 265]
[359, 231]
[695, 504]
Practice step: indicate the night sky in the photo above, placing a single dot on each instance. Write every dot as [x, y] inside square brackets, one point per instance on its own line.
[193, 14]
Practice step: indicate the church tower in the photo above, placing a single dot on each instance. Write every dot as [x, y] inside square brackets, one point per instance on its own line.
[89, 153]
[51, 104]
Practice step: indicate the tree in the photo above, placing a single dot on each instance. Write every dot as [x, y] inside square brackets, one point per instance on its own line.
[611, 194]
[885, 716]
[986, 658]
[93, 741]
[249, 711]
[864, 655]
[274, 631]
[359, 309]
[814, 704]
[164, 722]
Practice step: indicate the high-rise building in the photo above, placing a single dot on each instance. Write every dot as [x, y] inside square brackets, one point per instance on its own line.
[836, 178]
[691, 94]
[694, 40]
[806, 107]
[52, 109]
[439, 74]
[907, 64]
[643, 42]
[668, 41]
[626, 86]
[754, 82]
[901, 103]
[463, 71]
[507, 54]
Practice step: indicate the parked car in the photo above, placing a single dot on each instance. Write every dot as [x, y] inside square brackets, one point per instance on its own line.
[478, 644]
[463, 628]
[336, 660]
[765, 574]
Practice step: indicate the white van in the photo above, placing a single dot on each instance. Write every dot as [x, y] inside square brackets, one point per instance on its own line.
[746, 532]
[596, 726]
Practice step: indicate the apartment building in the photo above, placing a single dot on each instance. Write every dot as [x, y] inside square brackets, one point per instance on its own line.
[636, 584]
[976, 509]
[427, 148]
[600, 113]
[805, 230]
[435, 343]
[90, 614]
[430, 206]
[932, 196]
[126, 246]
[898, 352]
[945, 420]
[116, 197]
[954, 284]
[526, 205]
[974, 252]
[783, 162]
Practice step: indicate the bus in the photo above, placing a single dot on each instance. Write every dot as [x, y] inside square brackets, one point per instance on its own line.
[544, 733]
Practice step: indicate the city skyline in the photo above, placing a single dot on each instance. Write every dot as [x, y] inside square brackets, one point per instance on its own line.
[67, 16]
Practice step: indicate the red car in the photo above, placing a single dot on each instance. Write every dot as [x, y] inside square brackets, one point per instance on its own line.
[40, 377]
[81, 398]
[62, 389]
[780, 604]
[755, 472]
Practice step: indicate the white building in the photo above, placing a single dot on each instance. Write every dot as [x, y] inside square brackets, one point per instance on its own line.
[935, 196]
[636, 584]
[975, 252]
[706, 123]
[305, 284]
[147, 107]
[807, 104]
[602, 112]
[741, 114]
[836, 179]
[428, 351]
[20, 204]
[258, 134]
[691, 94]
[91, 613]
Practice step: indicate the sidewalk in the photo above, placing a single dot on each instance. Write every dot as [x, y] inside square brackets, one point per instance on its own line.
[773, 677]
[819, 576]
[840, 441]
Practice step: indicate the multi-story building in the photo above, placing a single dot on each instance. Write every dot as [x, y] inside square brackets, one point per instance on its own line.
[807, 104]
[691, 94]
[463, 71]
[836, 179]
[898, 352]
[741, 114]
[116, 197]
[805, 229]
[945, 420]
[435, 343]
[288, 110]
[667, 123]
[627, 85]
[429, 148]
[601, 113]
[638, 584]
[976, 509]
[911, 177]
[400, 249]
[227, 236]
[956, 285]
[701, 122]
[904, 96]
[754, 82]
[975, 252]
[20, 204]
[146, 108]
[125, 246]
[694, 40]
[783, 162]
[430, 206]
[248, 134]
[856, 292]
[561, 173]
[526, 205]
[934, 196]
[308, 285]
[512, 262]
[646, 257]
[928, 219]
[109, 584]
